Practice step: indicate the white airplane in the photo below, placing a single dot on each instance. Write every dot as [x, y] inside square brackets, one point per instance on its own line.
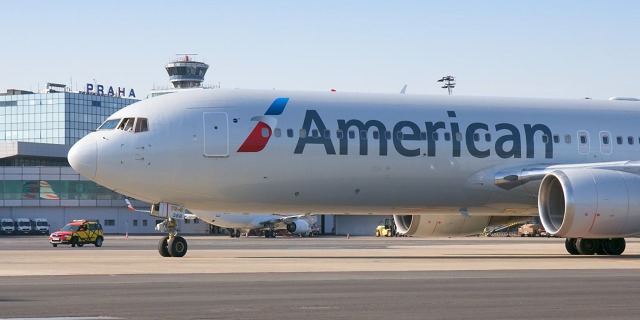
[442, 165]
[236, 223]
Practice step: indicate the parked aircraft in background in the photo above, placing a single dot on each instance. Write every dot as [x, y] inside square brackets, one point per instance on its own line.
[442, 165]
[236, 223]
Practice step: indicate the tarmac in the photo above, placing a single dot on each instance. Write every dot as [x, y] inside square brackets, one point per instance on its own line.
[316, 278]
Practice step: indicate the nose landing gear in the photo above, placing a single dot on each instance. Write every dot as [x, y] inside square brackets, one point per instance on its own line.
[171, 245]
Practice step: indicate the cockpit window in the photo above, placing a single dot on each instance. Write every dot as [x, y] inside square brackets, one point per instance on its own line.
[126, 124]
[142, 125]
[109, 124]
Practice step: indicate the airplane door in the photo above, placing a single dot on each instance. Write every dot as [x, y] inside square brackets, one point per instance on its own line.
[605, 145]
[216, 134]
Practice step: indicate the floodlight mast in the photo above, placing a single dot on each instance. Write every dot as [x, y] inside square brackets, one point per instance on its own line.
[449, 83]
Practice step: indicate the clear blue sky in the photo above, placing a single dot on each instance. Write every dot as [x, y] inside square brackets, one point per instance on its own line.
[541, 48]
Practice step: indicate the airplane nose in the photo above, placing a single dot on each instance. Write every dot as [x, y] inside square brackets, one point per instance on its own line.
[83, 157]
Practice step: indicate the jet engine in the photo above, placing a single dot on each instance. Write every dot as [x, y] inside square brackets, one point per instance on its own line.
[590, 203]
[298, 227]
[448, 225]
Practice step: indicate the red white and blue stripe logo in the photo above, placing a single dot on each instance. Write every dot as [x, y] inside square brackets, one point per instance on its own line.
[261, 133]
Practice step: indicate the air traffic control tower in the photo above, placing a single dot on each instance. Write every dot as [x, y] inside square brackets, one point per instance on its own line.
[186, 73]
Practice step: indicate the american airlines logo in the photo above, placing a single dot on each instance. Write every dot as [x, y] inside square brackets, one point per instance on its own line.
[261, 133]
[409, 139]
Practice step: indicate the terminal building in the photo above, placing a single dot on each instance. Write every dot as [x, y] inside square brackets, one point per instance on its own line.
[37, 129]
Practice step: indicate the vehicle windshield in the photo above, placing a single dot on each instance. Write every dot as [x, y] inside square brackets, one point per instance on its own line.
[70, 228]
[109, 124]
[41, 224]
[7, 224]
[24, 223]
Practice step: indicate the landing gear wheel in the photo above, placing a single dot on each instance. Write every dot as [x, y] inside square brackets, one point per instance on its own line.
[163, 246]
[587, 247]
[570, 245]
[177, 246]
[614, 246]
[237, 233]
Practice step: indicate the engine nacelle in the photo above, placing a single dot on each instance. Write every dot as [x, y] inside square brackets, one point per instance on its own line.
[590, 203]
[448, 225]
[298, 227]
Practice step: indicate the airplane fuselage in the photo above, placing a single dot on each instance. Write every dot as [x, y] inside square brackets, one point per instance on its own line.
[296, 152]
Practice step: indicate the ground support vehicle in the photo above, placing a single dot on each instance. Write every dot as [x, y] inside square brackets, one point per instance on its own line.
[23, 225]
[7, 226]
[39, 225]
[388, 229]
[530, 230]
[78, 233]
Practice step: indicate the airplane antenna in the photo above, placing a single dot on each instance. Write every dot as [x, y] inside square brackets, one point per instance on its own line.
[449, 83]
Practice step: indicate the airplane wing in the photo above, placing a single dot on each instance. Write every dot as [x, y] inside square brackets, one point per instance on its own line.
[515, 177]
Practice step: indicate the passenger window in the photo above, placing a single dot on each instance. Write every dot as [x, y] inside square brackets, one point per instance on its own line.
[387, 135]
[583, 139]
[447, 136]
[605, 139]
[545, 138]
[619, 139]
[487, 137]
[277, 132]
[458, 136]
[423, 136]
[630, 140]
[327, 134]
[303, 133]
[339, 134]
[399, 135]
[352, 134]
[363, 135]
[290, 133]
[265, 132]
[314, 133]
[567, 138]
[435, 136]
[376, 134]
[141, 125]
[476, 137]
[556, 138]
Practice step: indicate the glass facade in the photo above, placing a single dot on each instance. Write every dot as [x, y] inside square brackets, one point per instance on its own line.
[52, 186]
[55, 118]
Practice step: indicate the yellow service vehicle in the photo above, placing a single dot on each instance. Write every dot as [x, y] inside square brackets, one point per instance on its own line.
[388, 229]
[78, 233]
